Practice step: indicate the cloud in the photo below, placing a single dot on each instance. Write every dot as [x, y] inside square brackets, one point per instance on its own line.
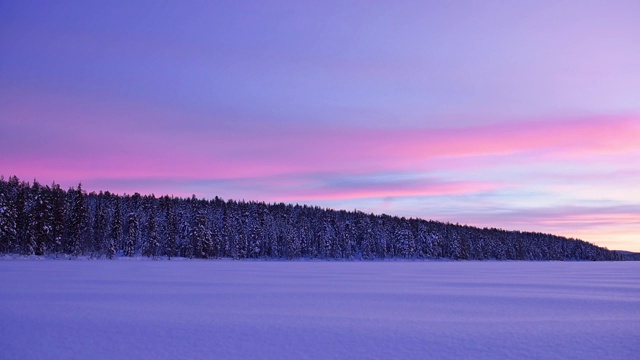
[75, 139]
[615, 226]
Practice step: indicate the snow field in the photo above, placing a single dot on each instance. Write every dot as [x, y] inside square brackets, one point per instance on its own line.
[193, 309]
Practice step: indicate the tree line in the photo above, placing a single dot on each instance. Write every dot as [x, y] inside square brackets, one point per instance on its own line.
[40, 219]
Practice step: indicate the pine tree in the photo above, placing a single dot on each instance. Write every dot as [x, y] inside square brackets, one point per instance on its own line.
[77, 222]
[132, 234]
[201, 236]
[184, 233]
[23, 194]
[8, 218]
[365, 237]
[405, 241]
[241, 229]
[229, 234]
[99, 229]
[43, 218]
[58, 199]
[151, 243]
[171, 228]
[115, 234]
[267, 240]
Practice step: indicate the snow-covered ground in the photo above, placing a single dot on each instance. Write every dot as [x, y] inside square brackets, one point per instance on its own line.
[194, 309]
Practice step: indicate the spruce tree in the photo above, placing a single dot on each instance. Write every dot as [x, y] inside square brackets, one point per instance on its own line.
[115, 234]
[99, 228]
[58, 199]
[41, 218]
[132, 234]
[171, 230]
[8, 217]
[77, 222]
[151, 243]
[201, 239]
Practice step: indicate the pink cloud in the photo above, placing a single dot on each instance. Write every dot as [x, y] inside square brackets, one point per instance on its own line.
[390, 191]
[593, 219]
[69, 141]
[97, 140]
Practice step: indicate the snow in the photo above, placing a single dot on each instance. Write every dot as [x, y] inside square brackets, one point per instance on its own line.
[197, 309]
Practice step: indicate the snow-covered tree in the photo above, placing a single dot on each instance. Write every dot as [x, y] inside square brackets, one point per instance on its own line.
[8, 218]
[171, 228]
[132, 234]
[114, 239]
[200, 235]
[77, 223]
[100, 235]
[36, 219]
[151, 242]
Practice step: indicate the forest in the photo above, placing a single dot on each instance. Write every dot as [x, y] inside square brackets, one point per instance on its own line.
[41, 220]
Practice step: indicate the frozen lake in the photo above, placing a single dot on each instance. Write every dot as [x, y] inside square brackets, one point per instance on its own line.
[191, 309]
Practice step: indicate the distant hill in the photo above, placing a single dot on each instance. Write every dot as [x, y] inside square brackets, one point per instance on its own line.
[47, 220]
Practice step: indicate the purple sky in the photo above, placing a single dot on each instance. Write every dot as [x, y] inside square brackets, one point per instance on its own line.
[520, 115]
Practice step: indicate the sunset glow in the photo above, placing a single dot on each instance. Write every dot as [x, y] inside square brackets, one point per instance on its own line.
[522, 117]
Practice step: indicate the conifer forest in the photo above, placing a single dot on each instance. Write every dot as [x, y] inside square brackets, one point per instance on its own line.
[38, 219]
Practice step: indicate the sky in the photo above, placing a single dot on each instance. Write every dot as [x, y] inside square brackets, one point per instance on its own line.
[521, 115]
